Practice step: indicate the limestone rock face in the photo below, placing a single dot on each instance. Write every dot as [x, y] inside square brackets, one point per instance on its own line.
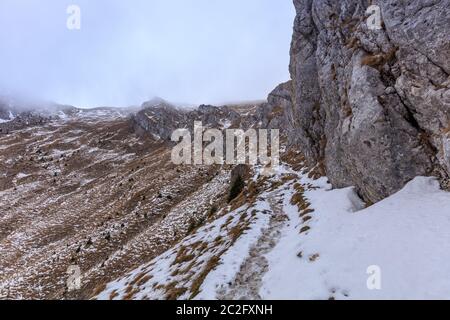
[160, 119]
[372, 105]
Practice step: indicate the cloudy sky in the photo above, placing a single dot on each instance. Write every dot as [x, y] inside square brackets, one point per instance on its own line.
[127, 51]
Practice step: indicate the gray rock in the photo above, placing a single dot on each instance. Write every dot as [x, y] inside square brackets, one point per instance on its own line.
[371, 105]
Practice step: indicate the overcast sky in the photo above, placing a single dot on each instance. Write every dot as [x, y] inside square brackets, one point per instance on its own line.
[127, 51]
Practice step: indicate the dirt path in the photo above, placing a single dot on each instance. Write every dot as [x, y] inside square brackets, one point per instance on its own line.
[248, 280]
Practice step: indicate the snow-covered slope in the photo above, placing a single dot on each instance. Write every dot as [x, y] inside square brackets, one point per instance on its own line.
[301, 240]
[404, 239]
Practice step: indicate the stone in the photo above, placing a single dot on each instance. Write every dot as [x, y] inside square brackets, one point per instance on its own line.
[371, 105]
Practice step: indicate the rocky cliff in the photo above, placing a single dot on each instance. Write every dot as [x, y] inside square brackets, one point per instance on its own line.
[372, 106]
[160, 118]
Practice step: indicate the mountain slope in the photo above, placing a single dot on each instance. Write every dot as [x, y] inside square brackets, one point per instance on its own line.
[299, 239]
[85, 190]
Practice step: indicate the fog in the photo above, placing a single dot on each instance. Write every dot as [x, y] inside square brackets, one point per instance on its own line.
[128, 51]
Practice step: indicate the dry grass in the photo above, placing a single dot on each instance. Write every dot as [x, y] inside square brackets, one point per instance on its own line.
[378, 60]
[306, 212]
[185, 270]
[144, 280]
[303, 205]
[305, 229]
[113, 295]
[295, 159]
[99, 290]
[275, 185]
[202, 247]
[173, 292]
[252, 191]
[196, 284]
[237, 231]
[353, 43]
[314, 257]
[288, 177]
[227, 223]
[183, 256]
[137, 278]
[318, 171]
[372, 60]
[195, 224]
[297, 199]
[130, 292]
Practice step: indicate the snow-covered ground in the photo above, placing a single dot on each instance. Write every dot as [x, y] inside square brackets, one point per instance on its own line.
[399, 247]
[303, 240]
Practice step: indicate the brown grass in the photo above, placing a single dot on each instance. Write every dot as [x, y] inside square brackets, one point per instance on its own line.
[305, 229]
[227, 223]
[288, 177]
[130, 292]
[306, 212]
[297, 199]
[99, 289]
[372, 60]
[237, 231]
[295, 159]
[188, 268]
[239, 201]
[318, 171]
[113, 295]
[314, 257]
[173, 292]
[197, 283]
[378, 60]
[183, 256]
[137, 278]
[195, 224]
[144, 280]
[353, 43]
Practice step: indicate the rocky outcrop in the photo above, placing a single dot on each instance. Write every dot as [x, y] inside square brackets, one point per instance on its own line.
[373, 106]
[160, 118]
[16, 114]
[23, 120]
